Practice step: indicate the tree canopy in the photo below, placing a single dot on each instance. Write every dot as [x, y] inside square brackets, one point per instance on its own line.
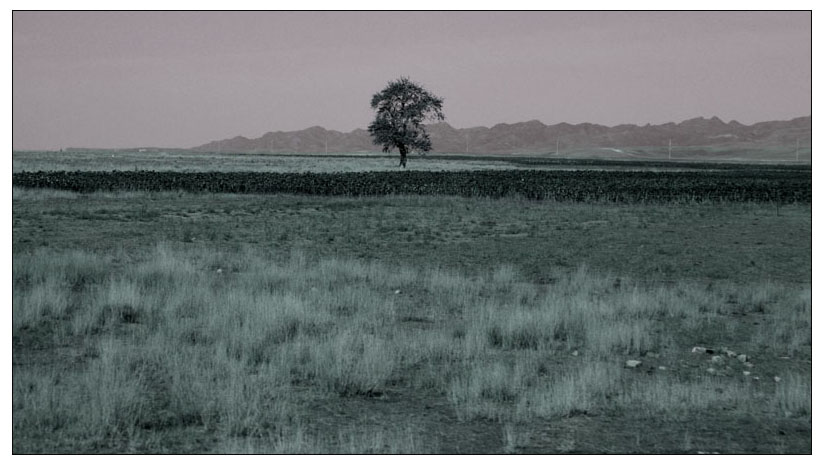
[401, 110]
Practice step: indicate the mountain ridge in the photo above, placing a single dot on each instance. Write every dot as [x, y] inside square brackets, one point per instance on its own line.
[531, 137]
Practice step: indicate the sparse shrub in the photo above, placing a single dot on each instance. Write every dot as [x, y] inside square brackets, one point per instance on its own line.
[484, 390]
[665, 395]
[580, 390]
[793, 395]
[45, 300]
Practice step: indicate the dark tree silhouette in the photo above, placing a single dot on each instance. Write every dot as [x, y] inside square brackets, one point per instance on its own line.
[401, 109]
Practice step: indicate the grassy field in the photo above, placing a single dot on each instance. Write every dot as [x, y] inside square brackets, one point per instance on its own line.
[177, 322]
[743, 153]
[198, 162]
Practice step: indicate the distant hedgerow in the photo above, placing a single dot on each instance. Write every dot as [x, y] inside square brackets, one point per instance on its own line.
[584, 185]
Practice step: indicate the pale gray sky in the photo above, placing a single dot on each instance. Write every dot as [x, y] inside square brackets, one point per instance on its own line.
[180, 79]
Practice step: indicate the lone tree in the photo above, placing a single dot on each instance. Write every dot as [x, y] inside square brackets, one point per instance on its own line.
[401, 108]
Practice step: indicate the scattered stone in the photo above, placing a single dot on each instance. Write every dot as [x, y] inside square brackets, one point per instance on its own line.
[219, 270]
[632, 363]
[742, 358]
[651, 354]
[716, 359]
[711, 370]
[746, 373]
[756, 378]
[730, 353]
[699, 349]
[398, 291]
[748, 364]
[785, 358]
[575, 353]
[663, 368]
[777, 379]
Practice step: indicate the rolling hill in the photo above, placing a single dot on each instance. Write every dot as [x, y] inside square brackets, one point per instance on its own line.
[534, 137]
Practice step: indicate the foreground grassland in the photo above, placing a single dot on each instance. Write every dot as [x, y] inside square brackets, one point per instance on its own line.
[174, 322]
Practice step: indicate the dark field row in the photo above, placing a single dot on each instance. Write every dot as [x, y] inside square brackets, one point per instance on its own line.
[586, 185]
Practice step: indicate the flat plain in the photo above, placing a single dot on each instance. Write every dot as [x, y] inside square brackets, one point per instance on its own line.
[180, 322]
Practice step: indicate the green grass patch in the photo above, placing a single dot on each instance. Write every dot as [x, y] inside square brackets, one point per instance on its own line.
[252, 349]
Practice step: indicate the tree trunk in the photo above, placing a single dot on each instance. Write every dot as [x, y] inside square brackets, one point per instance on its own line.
[403, 150]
